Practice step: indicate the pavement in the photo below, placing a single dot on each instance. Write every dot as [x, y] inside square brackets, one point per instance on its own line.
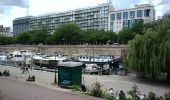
[17, 90]
[125, 83]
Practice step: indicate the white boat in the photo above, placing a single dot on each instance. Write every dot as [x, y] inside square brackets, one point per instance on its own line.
[21, 55]
[47, 61]
[95, 59]
[3, 58]
[91, 68]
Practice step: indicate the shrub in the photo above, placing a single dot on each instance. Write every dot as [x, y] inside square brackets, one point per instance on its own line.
[96, 90]
[110, 97]
[76, 88]
[151, 96]
[167, 96]
[134, 92]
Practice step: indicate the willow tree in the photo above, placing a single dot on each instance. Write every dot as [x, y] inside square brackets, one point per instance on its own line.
[150, 53]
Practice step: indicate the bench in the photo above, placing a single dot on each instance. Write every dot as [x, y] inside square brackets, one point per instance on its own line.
[65, 83]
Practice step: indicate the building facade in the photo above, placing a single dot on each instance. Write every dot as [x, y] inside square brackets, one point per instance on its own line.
[101, 17]
[166, 14]
[21, 24]
[87, 18]
[5, 31]
[126, 18]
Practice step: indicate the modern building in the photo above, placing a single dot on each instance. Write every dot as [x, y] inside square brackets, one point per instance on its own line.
[5, 31]
[120, 19]
[87, 18]
[166, 14]
[21, 25]
[100, 17]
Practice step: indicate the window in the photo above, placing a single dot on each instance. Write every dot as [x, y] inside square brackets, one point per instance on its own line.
[111, 25]
[119, 16]
[147, 12]
[125, 24]
[132, 22]
[125, 15]
[112, 16]
[132, 14]
[139, 13]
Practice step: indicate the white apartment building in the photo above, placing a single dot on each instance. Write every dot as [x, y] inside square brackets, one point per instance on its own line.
[127, 17]
[87, 18]
[5, 31]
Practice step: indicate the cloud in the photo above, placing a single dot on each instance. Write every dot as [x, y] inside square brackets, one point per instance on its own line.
[4, 9]
[18, 3]
[163, 2]
[6, 5]
[124, 4]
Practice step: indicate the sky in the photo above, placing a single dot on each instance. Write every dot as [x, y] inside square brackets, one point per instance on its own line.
[11, 9]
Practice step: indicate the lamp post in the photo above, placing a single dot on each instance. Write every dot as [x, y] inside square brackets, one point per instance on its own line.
[55, 78]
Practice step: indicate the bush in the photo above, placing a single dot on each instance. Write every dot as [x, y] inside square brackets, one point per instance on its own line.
[96, 90]
[167, 96]
[151, 96]
[134, 92]
[110, 97]
[76, 88]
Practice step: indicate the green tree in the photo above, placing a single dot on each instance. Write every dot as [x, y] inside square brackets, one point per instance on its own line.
[67, 32]
[124, 36]
[39, 36]
[50, 40]
[137, 27]
[23, 38]
[6, 40]
[149, 53]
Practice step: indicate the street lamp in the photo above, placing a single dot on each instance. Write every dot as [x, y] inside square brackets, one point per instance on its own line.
[55, 78]
[63, 41]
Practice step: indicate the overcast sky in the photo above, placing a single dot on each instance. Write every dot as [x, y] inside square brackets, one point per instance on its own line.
[11, 9]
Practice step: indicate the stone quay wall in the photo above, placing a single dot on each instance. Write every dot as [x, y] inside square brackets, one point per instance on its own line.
[70, 50]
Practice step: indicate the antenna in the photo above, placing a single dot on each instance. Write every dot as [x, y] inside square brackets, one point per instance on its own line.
[150, 2]
[109, 1]
[27, 8]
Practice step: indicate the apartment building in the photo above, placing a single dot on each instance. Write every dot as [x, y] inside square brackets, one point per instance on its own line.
[87, 18]
[166, 14]
[5, 31]
[125, 18]
[21, 24]
[100, 17]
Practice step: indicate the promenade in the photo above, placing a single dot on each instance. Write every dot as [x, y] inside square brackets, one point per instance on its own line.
[125, 83]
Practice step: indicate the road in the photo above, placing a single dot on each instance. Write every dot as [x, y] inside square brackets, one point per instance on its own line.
[17, 90]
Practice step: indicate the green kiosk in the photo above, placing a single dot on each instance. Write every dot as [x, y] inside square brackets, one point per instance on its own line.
[69, 73]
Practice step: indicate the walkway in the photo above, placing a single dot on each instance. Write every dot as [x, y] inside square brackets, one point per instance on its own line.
[116, 82]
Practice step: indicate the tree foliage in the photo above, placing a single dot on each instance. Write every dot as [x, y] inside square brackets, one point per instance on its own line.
[71, 34]
[67, 32]
[23, 38]
[6, 40]
[124, 36]
[150, 53]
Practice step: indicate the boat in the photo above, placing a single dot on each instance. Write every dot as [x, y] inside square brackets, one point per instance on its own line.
[21, 56]
[95, 59]
[2, 59]
[48, 61]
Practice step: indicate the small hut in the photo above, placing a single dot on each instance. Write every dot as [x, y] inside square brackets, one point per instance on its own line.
[69, 73]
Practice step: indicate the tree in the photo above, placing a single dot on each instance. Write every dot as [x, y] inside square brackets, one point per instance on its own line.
[5, 40]
[39, 36]
[23, 38]
[150, 53]
[67, 32]
[137, 27]
[124, 36]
